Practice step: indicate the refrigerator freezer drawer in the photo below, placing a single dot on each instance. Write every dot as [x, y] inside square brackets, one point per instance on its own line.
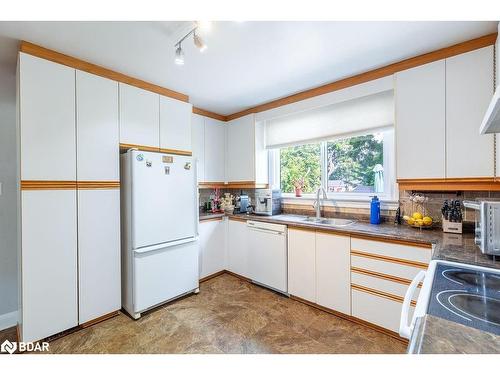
[164, 274]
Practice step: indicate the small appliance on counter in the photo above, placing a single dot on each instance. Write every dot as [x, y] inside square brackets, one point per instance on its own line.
[242, 204]
[267, 202]
[487, 225]
[452, 216]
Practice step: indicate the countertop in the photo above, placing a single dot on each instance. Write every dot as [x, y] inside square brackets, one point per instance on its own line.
[431, 334]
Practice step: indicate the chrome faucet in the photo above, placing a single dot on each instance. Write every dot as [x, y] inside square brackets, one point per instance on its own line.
[317, 203]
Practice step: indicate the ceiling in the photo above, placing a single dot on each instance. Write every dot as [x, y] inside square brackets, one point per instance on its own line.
[246, 63]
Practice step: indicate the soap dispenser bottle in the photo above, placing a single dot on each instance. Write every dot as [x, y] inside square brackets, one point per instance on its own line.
[375, 210]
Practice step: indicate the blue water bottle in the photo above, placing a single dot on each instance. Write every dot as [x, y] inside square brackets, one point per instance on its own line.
[375, 210]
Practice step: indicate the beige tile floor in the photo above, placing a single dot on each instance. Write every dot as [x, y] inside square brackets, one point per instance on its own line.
[229, 315]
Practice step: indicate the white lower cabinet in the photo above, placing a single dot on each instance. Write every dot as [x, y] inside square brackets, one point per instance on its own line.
[48, 263]
[212, 242]
[237, 247]
[98, 253]
[333, 273]
[302, 264]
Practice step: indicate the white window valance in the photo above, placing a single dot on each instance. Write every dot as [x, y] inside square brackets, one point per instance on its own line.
[347, 117]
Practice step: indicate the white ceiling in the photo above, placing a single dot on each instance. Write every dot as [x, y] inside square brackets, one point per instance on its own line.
[246, 63]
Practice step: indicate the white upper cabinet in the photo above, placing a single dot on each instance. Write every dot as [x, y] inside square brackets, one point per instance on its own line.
[198, 143]
[97, 128]
[139, 116]
[246, 154]
[175, 124]
[420, 121]
[240, 161]
[469, 88]
[47, 115]
[215, 141]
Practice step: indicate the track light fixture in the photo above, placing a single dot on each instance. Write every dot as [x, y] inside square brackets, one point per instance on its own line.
[198, 42]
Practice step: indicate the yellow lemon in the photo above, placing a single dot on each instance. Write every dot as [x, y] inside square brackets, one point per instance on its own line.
[427, 220]
[417, 215]
[419, 222]
[411, 221]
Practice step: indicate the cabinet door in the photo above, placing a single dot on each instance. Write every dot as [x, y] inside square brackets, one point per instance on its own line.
[240, 161]
[215, 133]
[97, 128]
[212, 247]
[302, 264]
[333, 272]
[48, 263]
[175, 124]
[237, 247]
[139, 116]
[47, 118]
[469, 87]
[198, 142]
[420, 121]
[98, 253]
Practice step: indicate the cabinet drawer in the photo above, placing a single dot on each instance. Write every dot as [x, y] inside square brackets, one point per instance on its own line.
[392, 250]
[377, 310]
[386, 267]
[382, 283]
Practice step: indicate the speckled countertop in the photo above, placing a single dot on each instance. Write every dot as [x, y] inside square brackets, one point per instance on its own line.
[431, 334]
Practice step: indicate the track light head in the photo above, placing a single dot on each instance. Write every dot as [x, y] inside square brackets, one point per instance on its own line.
[198, 42]
[179, 55]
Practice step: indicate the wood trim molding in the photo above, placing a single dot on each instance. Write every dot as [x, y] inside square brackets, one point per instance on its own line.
[218, 218]
[176, 152]
[206, 278]
[371, 75]
[423, 245]
[237, 218]
[380, 293]
[351, 318]
[128, 146]
[385, 258]
[60, 58]
[203, 112]
[100, 319]
[87, 185]
[47, 185]
[383, 276]
[450, 184]
[232, 185]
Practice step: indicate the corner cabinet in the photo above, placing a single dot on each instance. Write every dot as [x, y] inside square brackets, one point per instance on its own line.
[215, 153]
[175, 126]
[439, 109]
[212, 243]
[246, 160]
[198, 144]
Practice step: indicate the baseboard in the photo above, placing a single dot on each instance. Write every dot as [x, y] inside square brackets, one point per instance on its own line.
[8, 320]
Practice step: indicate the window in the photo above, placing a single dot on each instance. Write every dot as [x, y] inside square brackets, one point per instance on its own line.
[349, 167]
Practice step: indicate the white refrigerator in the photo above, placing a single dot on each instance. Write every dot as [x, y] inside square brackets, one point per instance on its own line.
[159, 234]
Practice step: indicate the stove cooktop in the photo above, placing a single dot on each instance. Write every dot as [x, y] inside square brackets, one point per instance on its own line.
[467, 296]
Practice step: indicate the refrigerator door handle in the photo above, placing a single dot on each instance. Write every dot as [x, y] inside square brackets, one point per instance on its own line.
[147, 249]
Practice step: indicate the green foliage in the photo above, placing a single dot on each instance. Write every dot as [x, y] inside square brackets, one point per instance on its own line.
[301, 162]
[352, 160]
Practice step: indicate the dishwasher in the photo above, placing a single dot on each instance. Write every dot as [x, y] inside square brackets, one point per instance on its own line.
[267, 255]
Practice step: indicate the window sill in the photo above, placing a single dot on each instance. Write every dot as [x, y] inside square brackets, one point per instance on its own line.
[343, 201]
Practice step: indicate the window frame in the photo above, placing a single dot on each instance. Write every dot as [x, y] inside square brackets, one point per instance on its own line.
[390, 192]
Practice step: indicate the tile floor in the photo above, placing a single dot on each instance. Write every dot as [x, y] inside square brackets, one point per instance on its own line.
[229, 315]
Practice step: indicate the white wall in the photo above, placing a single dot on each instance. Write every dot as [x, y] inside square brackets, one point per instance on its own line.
[8, 210]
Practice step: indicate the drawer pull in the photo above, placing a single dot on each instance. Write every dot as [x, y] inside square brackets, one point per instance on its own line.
[379, 293]
[405, 262]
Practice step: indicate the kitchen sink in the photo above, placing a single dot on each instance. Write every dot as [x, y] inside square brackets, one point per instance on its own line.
[331, 222]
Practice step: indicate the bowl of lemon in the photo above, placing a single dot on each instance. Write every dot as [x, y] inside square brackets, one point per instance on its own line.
[418, 220]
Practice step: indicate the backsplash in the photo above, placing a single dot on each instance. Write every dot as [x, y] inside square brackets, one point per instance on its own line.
[204, 194]
[436, 199]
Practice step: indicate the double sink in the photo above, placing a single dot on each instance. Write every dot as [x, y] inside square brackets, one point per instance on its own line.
[329, 222]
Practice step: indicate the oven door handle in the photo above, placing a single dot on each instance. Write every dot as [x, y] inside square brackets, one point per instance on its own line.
[405, 329]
